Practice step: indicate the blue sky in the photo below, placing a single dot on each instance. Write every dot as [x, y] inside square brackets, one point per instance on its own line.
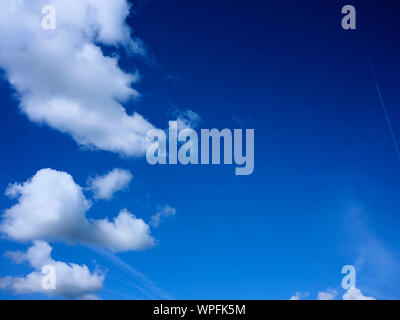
[324, 192]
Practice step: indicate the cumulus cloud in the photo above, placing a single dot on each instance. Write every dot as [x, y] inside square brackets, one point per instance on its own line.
[51, 206]
[105, 186]
[329, 294]
[165, 211]
[62, 77]
[355, 294]
[71, 280]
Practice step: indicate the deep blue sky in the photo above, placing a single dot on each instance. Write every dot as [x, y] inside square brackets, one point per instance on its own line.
[323, 151]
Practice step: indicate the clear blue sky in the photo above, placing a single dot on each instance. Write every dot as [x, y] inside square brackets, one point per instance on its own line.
[325, 190]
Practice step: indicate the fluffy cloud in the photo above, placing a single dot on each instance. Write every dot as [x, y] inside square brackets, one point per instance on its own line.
[104, 187]
[62, 77]
[165, 211]
[355, 294]
[71, 280]
[329, 294]
[51, 206]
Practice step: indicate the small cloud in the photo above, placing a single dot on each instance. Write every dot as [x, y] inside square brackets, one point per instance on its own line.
[90, 296]
[355, 294]
[186, 118]
[165, 211]
[105, 186]
[328, 294]
[300, 295]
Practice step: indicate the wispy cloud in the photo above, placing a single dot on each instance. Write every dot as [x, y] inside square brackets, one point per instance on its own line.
[163, 212]
[300, 295]
[145, 284]
[373, 254]
[105, 186]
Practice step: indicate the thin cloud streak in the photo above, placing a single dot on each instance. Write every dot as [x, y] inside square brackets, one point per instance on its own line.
[387, 116]
[141, 278]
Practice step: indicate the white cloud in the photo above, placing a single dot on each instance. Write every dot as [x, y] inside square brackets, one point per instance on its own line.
[185, 118]
[63, 78]
[188, 119]
[105, 186]
[90, 296]
[329, 294]
[51, 206]
[300, 295]
[165, 211]
[72, 280]
[355, 294]
[376, 259]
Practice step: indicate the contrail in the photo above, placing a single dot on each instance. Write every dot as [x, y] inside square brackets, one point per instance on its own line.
[121, 294]
[132, 285]
[7, 177]
[142, 279]
[388, 121]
